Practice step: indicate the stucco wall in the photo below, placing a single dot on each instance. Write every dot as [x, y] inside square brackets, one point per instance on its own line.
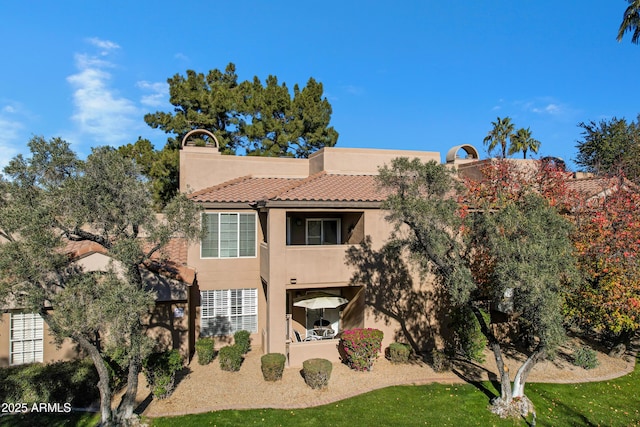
[168, 325]
[361, 160]
[203, 167]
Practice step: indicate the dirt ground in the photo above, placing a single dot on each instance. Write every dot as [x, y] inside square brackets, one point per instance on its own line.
[208, 388]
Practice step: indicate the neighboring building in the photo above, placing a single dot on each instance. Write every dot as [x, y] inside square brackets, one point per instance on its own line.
[25, 338]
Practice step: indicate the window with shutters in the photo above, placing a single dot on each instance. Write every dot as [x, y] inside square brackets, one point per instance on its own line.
[226, 311]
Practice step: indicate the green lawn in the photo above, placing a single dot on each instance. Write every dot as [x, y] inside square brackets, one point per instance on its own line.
[78, 419]
[607, 403]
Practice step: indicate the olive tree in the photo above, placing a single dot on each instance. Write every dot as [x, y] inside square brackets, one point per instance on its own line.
[521, 248]
[52, 198]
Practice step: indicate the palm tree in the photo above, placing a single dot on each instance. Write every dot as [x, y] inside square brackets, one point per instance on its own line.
[502, 130]
[631, 22]
[522, 141]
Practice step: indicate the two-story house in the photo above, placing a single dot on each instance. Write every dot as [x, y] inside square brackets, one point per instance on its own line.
[277, 233]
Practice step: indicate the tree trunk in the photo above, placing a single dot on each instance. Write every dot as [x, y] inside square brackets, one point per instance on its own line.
[128, 402]
[523, 372]
[503, 370]
[103, 374]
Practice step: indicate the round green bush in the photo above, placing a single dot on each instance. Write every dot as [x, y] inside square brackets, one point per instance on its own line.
[317, 372]
[230, 358]
[243, 340]
[586, 358]
[205, 350]
[399, 353]
[272, 365]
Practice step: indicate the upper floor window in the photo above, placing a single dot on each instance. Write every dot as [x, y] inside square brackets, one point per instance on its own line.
[228, 235]
[323, 231]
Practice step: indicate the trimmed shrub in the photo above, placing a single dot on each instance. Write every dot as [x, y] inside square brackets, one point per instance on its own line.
[243, 341]
[586, 358]
[361, 347]
[205, 350]
[470, 340]
[160, 370]
[60, 382]
[272, 365]
[317, 373]
[440, 362]
[230, 358]
[399, 353]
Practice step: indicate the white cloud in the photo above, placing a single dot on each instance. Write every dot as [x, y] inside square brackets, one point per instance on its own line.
[181, 56]
[159, 93]
[543, 106]
[354, 90]
[99, 111]
[106, 45]
[552, 109]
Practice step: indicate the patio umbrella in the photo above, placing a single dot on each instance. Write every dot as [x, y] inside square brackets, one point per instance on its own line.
[319, 300]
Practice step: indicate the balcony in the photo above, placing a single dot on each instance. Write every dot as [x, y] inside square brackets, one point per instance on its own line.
[321, 264]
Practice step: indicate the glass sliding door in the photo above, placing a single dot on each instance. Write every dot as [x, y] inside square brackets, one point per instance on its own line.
[323, 231]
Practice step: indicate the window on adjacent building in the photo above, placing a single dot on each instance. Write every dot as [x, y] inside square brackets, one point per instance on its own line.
[229, 235]
[323, 231]
[226, 311]
[26, 339]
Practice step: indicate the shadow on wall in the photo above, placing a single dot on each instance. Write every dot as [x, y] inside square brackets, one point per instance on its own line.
[168, 331]
[419, 307]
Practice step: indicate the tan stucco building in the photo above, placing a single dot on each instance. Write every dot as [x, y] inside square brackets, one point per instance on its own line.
[279, 230]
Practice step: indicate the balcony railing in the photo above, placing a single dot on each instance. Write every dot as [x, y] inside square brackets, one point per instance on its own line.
[317, 264]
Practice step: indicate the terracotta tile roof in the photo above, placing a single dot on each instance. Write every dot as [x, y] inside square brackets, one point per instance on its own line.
[244, 189]
[318, 187]
[170, 261]
[593, 186]
[82, 248]
[334, 188]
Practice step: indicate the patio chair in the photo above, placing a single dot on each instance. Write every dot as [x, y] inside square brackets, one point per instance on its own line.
[328, 334]
[312, 336]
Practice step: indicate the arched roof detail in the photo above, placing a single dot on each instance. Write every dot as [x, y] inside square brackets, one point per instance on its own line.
[471, 151]
[201, 132]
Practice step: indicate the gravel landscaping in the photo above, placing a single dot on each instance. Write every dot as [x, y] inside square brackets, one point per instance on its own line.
[208, 388]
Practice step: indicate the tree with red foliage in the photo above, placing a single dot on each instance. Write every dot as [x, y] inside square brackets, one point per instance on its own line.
[607, 240]
[504, 180]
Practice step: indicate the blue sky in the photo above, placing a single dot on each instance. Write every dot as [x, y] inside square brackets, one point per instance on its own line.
[417, 75]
